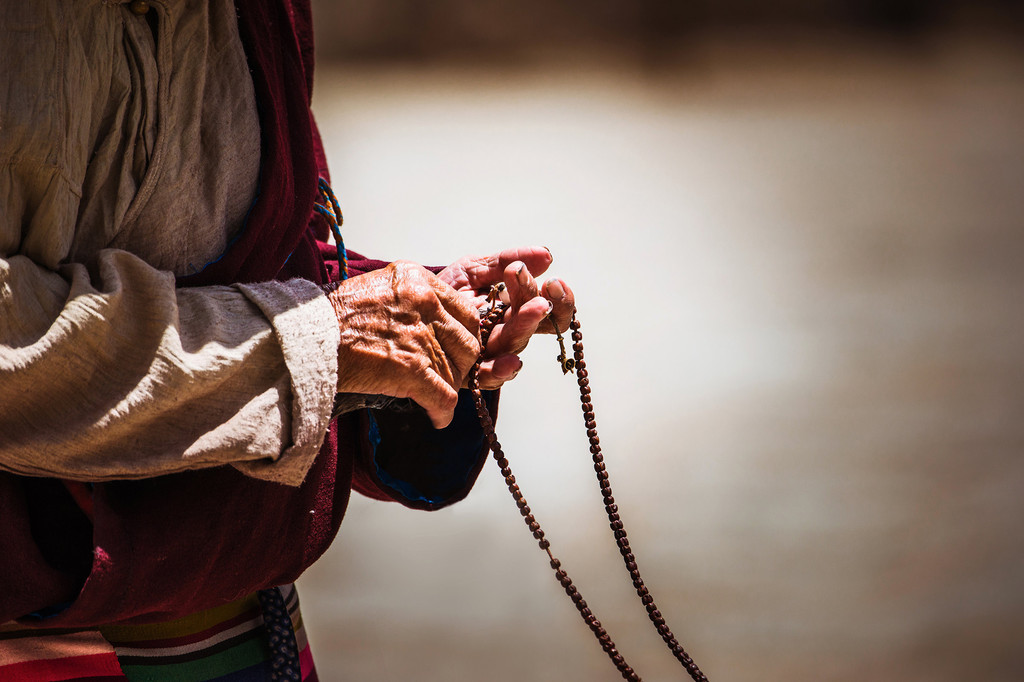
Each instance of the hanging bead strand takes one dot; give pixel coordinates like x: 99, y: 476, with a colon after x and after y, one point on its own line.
x: 490, y: 320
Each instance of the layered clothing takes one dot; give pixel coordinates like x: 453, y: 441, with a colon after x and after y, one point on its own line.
x: 213, y: 469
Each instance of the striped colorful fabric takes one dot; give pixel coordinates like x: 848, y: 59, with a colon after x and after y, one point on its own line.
x: 55, y: 655
x: 224, y: 644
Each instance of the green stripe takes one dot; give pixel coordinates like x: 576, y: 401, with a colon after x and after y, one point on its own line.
x: 234, y: 659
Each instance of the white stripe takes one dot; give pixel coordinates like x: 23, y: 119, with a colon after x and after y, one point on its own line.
x: 239, y: 629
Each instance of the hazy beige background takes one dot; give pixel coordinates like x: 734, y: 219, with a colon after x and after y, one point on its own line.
x: 799, y: 264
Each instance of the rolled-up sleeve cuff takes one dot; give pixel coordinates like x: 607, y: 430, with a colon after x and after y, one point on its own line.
x: 307, y: 330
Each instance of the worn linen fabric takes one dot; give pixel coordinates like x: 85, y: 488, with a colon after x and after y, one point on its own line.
x: 129, y: 154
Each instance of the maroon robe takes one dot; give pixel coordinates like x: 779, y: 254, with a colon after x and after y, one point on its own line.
x: 156, y: 549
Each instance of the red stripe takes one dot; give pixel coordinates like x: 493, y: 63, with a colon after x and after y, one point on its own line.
x: 189, y: 639
x: 306, y: 663
x: 57, y: 669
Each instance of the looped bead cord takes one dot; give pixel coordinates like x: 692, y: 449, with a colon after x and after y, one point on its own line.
x: 579, y: 365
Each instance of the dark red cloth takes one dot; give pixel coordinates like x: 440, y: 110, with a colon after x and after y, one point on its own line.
x: 168, y: 546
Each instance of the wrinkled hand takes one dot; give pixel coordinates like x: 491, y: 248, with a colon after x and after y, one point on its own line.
x: 407, y: 334
x: 532, y: 308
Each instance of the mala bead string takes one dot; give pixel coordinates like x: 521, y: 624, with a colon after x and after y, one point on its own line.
x: 615, y: 522
x: 577, y: 363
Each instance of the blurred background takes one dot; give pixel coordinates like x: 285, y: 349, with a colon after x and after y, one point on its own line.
x: 796, y: 235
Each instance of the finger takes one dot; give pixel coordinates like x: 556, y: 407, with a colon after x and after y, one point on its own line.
x: 494, y: 373
x: 514, y: 334
x: 461, y: 308
x: 459, y: 347
x: 563, y: 303
x: 488, y: 270
x: 520, y: 284
x: 437, y: 398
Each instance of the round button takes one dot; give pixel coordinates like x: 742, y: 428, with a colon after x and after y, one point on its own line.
x: 139, y: 7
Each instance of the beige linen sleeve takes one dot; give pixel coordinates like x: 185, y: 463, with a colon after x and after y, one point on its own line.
x: 111, y: 372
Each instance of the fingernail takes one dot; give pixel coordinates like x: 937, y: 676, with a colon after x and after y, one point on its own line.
x: 555, y: 289
x: 522, y: 274
x: 551, y: 307
x: 510, y: 372
x: 549, y: 253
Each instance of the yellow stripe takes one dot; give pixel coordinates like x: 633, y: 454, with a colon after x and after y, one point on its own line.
x: 191, y: 624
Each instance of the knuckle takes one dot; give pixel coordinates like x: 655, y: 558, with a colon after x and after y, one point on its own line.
x: 421, y: 296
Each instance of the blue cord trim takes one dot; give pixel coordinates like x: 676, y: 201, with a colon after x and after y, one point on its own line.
x: 50, y: 611
x: 331, y: 211
x: 404, y: 488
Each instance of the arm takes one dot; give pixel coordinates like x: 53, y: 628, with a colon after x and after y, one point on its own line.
x: 111, y: 372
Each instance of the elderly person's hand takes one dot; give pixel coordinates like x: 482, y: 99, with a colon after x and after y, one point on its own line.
x: 533, y: 308
x: 407, y: 334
